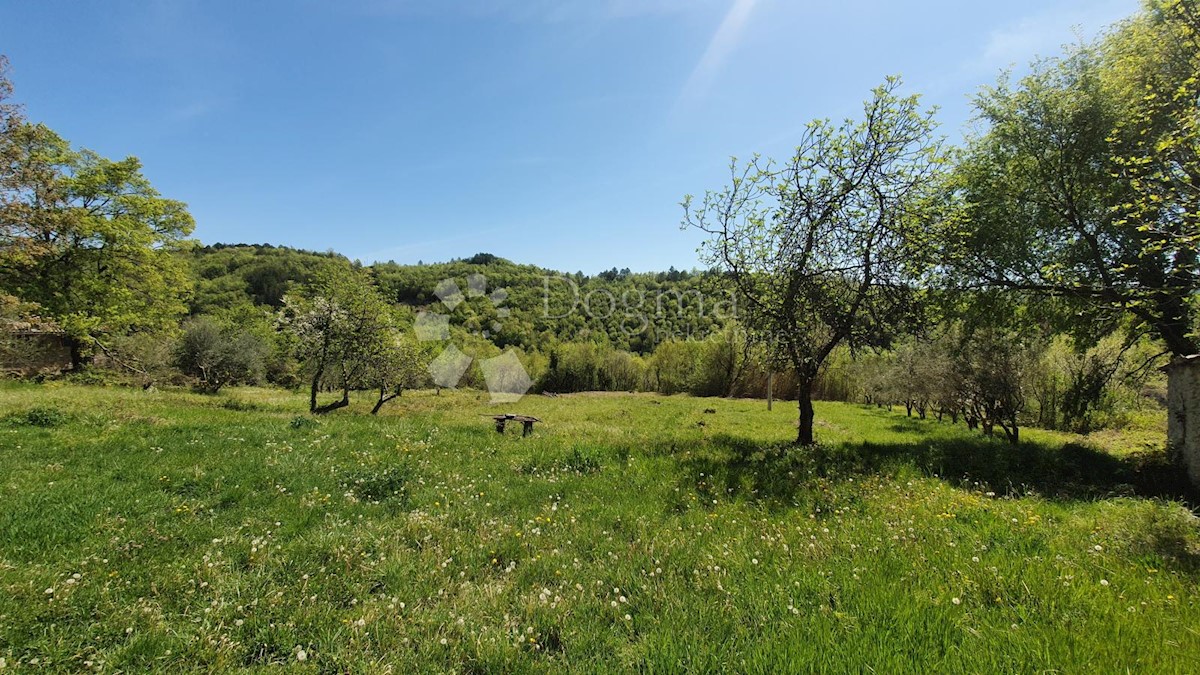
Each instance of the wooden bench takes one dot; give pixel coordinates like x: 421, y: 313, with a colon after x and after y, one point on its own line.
x: 525, y: 420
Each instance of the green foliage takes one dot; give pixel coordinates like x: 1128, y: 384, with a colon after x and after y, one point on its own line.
x: 304, y: 422
x: 88, y: 240
x: 344, y: 334
x: 826, y: 249
x: 229, y: 277
x: 219, y: 355
x: 41, y: 416
x: 1082, y: 185
x: 378, y: 483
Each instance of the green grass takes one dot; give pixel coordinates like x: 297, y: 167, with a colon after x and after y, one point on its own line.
x: 167, y: 530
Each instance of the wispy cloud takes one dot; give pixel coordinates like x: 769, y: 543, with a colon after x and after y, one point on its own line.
x: 724, y: 41
x: 1044, y: 33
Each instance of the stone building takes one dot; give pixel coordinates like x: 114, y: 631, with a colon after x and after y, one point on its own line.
x: 1183, y: 412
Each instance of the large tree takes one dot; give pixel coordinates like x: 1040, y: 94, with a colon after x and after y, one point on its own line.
x: 1085, y: 181
x: 825, y: 246
x: 86, y: 239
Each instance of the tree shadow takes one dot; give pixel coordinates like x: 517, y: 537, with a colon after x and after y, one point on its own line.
x: 784, y: 475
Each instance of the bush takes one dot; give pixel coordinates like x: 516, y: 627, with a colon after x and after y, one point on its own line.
x: 218, y: 355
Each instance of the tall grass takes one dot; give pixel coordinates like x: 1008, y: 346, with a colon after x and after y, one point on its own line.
x: 167, y: 530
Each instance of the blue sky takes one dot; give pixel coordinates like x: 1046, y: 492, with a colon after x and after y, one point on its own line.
x: 556, y: 132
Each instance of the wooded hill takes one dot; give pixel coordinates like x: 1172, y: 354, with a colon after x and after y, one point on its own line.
x: 535, y: 307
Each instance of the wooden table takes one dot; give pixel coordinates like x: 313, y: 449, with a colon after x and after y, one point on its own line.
x: 525, y: 420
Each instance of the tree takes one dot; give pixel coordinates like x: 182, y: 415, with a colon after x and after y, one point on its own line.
x: 86, y: 239
x: 340, y: 324
x: 393, y: 367
x: 1084, y: 184
x: 824, y: 248
x: 219, y: 355
x: 992, y: 364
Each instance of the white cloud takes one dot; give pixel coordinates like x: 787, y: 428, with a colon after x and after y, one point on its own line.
x: 1044, y: 33
x: 724, y: 41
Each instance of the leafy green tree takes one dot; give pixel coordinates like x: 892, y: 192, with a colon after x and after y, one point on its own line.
x: 340, y: 324
x: 823, y: 248
x: 1083, y: 184
x: 87, y: 239
x: 395, y: 365
x: 218, y: 355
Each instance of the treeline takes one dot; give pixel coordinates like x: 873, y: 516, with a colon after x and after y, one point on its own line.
x: 1035, y: 275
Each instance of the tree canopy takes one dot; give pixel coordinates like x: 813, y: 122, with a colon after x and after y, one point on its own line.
x: 824, y: 248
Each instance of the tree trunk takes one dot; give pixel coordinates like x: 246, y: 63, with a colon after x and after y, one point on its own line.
x: 1012, y: 432
x: 328, y: 407
x: 384, y: 397
x: 79, y: 357
x: 804, y: 431
x: 316, y: 385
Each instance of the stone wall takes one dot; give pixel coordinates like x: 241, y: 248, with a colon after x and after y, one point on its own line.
x: 1183, y: 412
x: 29, y: 353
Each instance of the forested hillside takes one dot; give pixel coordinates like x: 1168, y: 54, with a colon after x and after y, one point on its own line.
x: 535, y: 306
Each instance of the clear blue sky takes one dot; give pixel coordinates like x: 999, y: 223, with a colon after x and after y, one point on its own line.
x: 556, y: 132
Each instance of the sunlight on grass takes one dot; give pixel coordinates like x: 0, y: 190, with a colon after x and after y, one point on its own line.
x: 166, y: 529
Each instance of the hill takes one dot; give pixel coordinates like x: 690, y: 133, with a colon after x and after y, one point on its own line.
x: 534, y: 309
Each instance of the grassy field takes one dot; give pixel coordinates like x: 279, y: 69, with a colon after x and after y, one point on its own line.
x: 167, y: 530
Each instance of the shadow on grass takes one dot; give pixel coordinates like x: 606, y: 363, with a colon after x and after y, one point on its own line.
x: 785, y: 474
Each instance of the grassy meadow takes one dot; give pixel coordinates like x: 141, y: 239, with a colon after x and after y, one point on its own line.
x: 167, y: 530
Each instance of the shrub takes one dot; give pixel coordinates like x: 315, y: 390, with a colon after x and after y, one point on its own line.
x: 220, y: 355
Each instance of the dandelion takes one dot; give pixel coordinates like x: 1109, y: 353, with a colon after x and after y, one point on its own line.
x: 628, y: 618
x: 301, y: 655
x: 1104, y: 582
x: 443, y: 641
x: 957, y: 601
